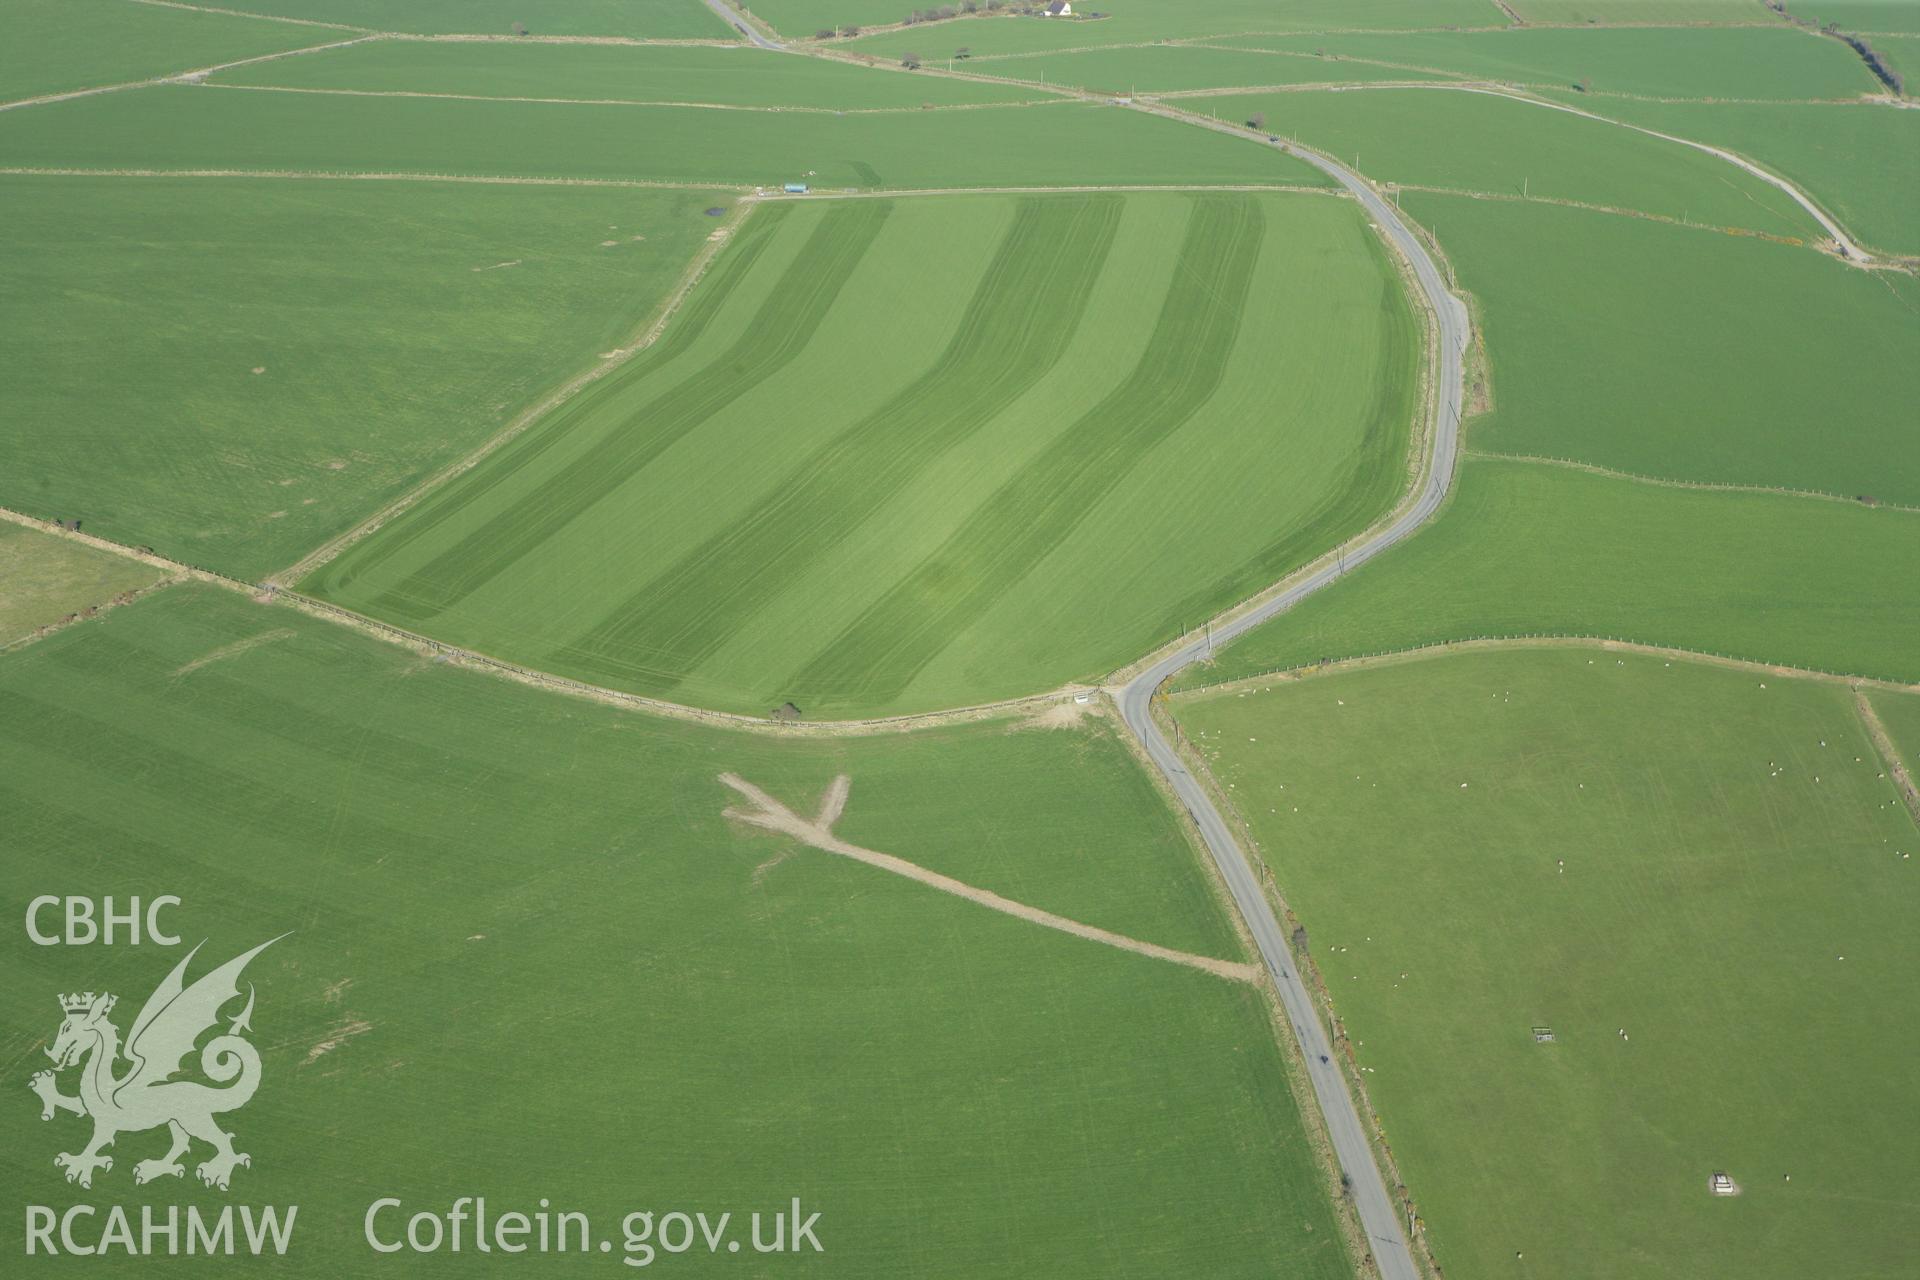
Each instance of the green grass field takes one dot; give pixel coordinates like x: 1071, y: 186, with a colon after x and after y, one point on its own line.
x: 1901, y: 715
x: 1862, y: 163
x: 1174, y: 67
x: 1725, y: 62
x: 233, y: 370
x: 647, y: 19
x: 974, y: 447
x: 1657, y: 350
x: 1865, y: 15
x: 528, y: 948
x: 54, y: 46
x: 1480, y: 142
x: 739, y: 75
x: 1644, y: 11
x: 1527, y: 549
x: 1051, y: 145
x: 44, y: 578
x: 1589, y: 842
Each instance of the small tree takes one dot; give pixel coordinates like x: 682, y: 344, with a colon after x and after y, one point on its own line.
x: 519, y: 28
x: 1258, y: 120
x: 911, y: 61
x: 1583, y: 84
x: 962, y: 53
x: 825, y: 33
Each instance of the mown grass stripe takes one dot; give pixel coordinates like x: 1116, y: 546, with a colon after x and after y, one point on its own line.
x: 335, y: 579
x: 1024, y: 312
x: 898, y: 635
x: 778, y: 332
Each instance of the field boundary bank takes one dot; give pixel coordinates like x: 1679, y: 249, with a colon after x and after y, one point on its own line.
x: 268, y: 592
x: 192, y: 75
x: 1543, y: 640
x: 1703, y: 486
x: 1889, y: 754
x: 916, y: 109
x: 263, y: 17
x: 325, y: 175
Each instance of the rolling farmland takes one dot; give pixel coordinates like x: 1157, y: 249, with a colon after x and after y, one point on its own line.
x: 1862, y: 162
x: 1529, y: 549
x: 1229, y: 638
x: 717, y: 74
x: 639, y: 19
x: 1707, y: 861
x: 58, y: 46
x: 450, y: 848
x: 1690, y: 62
x: 1457, y: 140
x: 176, y: 127
x: 153, y: 325
x: 974, y: 480
x: 1657, y: 350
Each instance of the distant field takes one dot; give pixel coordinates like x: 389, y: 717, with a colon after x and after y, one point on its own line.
x: 739, y: 75
x: 1726, y: 62
x: 1482, y: 142
x: 654, y: 19
x: 233, y: 370
x: 1862, y: 163
x: 1135, y: 22
x: 57, y: 45
x: 1657, y: 350
x: 1863, y: 15
x: 1529, y: 549
x: 1655, y: 11
x: 1172, y: 67
x: 1062, y: 144
x: 525, y: 938
x: 1487, y: 843
x: 44, y: 578
x: 922, y: 453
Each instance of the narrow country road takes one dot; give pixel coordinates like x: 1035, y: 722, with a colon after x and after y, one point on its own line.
x: 735, y: 19
x: 1379, y: 1216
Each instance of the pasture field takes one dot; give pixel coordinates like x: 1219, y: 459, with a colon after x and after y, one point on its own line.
x: 902, y: 455
x: 1461, y: 140
x: 736, y: 75
x: 1529, y: 549
x: 1137, y: 22
x: 233, y: 370
x: 1173, y: 67
x: 1861, y: 162
x: 1723, y: 62
x: 54, y: 46
x: 1483, y: 844
x: 1657, y: 350
x: 1057, y: 144
x: 1900, y: 713
x: 44, y: 578
x: 1598, y: 12
x: 527, y: 944
x: 1872, y: 16
x: 642, y: 19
